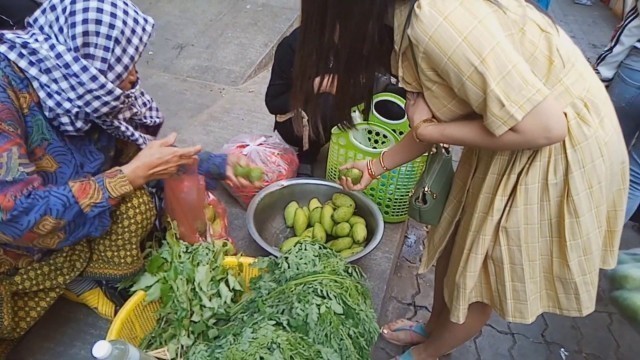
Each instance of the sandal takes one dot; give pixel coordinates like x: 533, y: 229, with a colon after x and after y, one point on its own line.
x: 416, y: 328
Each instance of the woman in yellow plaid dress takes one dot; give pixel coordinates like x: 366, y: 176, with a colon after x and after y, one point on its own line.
x: 537, y: 204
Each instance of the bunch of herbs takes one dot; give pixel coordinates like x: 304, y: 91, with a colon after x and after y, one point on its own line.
x: 196, y: 293
x: 309, y: 295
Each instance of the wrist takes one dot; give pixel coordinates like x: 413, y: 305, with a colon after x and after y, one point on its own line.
x: 383, y: 168
x: 424, y: 131
x: 370, y: 169
x: 377, y: 168
x: 136, y: 180
x: 115, y: 183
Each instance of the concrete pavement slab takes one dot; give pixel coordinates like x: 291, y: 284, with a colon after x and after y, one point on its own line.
x: 223, y: 42
x: 67, y: 331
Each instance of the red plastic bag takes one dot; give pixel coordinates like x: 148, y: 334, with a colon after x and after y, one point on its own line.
x: 199, y: 215
x: 218, y: 224
x: 184, y: 200
x: 277, y: 159
x: 217, y: 218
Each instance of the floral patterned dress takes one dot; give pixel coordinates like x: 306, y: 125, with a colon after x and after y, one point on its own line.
x: 66, y: 209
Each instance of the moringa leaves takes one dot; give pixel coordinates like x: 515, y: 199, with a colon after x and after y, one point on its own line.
x: 307, y: 304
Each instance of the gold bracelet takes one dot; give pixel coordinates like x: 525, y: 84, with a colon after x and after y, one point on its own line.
x: 381, y: 158
x: 430, y: 121
x: 372, y: 173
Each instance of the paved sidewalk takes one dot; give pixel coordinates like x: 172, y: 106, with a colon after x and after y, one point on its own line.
x: 603, y: 335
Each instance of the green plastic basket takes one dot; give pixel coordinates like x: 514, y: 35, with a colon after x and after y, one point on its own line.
x: 366, y: 141
x: 399, y: 123
x: 395, y: 120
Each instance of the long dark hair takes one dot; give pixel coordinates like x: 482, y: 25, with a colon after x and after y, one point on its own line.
x: 345, y: 38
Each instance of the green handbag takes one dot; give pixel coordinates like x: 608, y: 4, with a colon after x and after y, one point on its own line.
x: 429, y: 197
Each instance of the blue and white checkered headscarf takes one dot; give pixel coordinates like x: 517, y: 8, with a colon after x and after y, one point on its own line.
x: 75, y: 53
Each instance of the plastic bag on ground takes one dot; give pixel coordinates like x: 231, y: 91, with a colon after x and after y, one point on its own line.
x: 277, y: 160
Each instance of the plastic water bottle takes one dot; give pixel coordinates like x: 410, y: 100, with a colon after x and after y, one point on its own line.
x: 118, y: 350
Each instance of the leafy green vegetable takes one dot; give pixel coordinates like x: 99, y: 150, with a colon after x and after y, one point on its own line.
x: 308, y: 304
x: 195, y: 290
x: 626, y: 276
x: 628, y: 302
x: 313, y: 304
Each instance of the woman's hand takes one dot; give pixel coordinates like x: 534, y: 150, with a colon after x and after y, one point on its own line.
x: 159, y: 160
x: 364, y: 182
x: 236, y: 181
x: 326, y: 84
x: 417, y: 108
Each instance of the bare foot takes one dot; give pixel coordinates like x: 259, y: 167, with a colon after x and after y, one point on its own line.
x: 405, y: 333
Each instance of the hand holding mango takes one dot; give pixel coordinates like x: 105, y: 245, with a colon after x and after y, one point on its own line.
x: 253, y: 174
x: 240, y: 172
x: 354, y: 174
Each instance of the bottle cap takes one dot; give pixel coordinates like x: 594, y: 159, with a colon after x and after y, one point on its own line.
x: 102, y: 349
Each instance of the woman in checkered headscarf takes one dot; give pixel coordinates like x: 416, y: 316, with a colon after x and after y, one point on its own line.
x: 76, y: 150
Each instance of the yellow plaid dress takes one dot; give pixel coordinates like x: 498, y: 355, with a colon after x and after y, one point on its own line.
x: 531, y: 228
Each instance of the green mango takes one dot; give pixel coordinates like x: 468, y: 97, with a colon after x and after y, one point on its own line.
x: 241, y: 171
x: 355, y: 219
x: 314, y: 203
x: 307, y: 234
x: 359, y: 233
x: 289, y: 244
x: 210, y: 214
x: 355, y: 175
x: 342, y: 200
x: 319, y: 234
x: 341, y: 230
x: 326, y: 219
x: 300, y: 222
x: 343, y: 214
x: 306, y: 211
x: 290, y: 212
x: 340, y: 244
x: 350, y: 252
x: 256, y: 174
x: 314, y: 217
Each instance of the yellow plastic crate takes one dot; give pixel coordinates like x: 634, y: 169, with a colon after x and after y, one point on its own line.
x: 136, y: 319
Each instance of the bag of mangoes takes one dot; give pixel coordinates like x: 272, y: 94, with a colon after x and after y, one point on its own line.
x: 271, y: 161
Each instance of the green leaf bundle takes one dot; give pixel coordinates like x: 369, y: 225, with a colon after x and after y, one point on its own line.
x: 317, y: 304
x: 195, y: 291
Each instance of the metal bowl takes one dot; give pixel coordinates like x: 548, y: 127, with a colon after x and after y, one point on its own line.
x: 265, y: 215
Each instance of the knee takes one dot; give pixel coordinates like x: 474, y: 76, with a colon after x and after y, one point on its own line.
x: 138, y: 211
x: 481, y: 309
